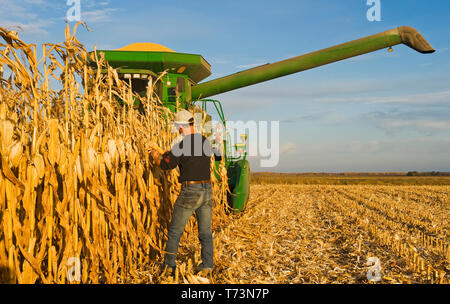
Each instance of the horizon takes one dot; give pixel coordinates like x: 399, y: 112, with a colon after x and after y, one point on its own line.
x: 354, y: 172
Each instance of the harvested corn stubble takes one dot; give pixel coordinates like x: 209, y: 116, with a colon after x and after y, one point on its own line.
x: 319, y: 234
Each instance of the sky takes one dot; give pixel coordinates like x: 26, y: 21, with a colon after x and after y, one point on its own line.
x: 380, y: 112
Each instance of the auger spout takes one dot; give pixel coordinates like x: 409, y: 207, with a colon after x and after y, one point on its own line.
x: 401, y: 35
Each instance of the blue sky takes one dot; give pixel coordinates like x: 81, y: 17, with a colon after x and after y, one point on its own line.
x: 377, y: 112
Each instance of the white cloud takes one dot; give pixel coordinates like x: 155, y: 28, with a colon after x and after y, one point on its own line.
x: 37, y: 2
x: 89, y: 3
x: 422, y: 145
x: 38, y: 27
x: 26, y: 15
x: 329, y: 117
x: 421, y: 154
x: 429, y: 125
x: 288, y: 148
x: 433, y: 98
x: 219, y: 61
x: 428, y: 121
x: 10, y: 9
x: 97, y: 16
x: 415, y: 91
x: 249, y: 66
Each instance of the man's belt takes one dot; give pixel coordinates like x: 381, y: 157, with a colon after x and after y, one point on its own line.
x: 185, y: 183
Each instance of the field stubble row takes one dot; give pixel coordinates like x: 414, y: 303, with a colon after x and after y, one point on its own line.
x: 326, y: 234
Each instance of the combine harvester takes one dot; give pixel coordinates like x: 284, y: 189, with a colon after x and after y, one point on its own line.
x: 181, y: 87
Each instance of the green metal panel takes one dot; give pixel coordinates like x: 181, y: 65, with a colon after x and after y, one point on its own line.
x: 405, y: 35
x: 196, y: 67
x: 239, y: 183
x: 174, y: 91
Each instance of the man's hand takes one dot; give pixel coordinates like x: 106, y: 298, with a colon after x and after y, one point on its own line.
x: 156, y: 156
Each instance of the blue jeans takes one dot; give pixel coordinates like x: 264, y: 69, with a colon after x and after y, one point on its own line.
x: 196, y: 198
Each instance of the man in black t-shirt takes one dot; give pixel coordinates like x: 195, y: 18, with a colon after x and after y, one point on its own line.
x: 193, y: 156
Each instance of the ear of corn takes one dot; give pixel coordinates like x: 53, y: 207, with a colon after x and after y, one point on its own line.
x: 76, y: 178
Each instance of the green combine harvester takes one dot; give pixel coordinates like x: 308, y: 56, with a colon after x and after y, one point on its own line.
x: 181, y: 87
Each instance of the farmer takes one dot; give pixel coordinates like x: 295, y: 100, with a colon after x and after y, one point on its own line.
x: 193, y: 156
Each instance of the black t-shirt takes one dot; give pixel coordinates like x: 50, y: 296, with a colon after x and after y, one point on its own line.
x: 193, y: 156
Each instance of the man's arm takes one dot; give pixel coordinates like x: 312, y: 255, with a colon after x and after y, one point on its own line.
x: 167, y: 161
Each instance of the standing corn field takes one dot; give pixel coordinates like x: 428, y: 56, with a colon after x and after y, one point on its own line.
x: 76, y: 181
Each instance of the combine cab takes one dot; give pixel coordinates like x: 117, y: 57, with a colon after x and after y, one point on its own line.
x: 181, y: 87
